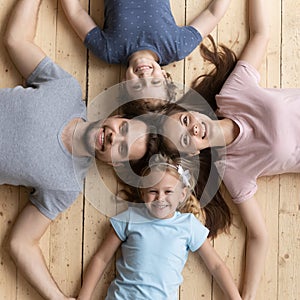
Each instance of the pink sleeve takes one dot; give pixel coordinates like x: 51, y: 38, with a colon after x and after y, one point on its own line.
x: 241, y: 78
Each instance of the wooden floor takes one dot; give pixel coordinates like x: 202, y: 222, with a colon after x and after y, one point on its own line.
x: 75, y: 235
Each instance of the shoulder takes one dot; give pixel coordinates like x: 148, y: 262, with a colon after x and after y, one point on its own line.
x: 243, y: 72
x: 52, y: 202
x: 198, y: 233
x: 48, y: 71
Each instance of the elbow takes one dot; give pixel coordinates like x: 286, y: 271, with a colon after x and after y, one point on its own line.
x: 263, y: 37
x: 17, y: 246
x: 261, y: 237
x: 9, y: 41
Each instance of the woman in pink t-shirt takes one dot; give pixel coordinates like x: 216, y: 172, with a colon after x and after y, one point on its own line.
x: 260, y: 128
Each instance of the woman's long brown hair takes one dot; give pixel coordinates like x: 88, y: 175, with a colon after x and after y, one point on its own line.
x: 224, y: 60
x: 216, y: 212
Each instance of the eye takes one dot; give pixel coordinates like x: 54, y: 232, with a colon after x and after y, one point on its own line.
x: 169, y: 192
x: 124, y: 128
x: 153, y: 192
x: 123, y: 150
x: 185, y: 120
x: 185, y: 140
x: 156, y: 81
x: 137, y: 86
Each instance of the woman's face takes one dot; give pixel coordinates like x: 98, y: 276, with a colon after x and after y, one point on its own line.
x: 189, y: 131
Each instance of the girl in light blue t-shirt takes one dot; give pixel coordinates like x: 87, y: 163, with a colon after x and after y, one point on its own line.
x: 155, y: 239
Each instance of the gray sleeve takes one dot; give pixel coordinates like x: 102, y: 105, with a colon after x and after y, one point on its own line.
x: 46, y: 71
x: 51, y: 202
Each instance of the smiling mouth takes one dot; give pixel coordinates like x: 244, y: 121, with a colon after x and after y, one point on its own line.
x: 101, y: 140
x: 159, y: 206
x: 203, y: 129
x: 142, y: 68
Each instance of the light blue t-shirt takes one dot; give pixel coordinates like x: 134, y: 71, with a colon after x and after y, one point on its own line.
x: 133, y: 25
x: 154, y: 252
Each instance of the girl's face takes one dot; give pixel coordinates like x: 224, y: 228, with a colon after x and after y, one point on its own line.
x: 188, y: 131
x: 145, y: 79
x: 163, y: 194
x: 144, y: 67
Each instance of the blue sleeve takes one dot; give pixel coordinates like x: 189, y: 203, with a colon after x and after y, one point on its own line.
x: 119, y: 224
x: 189, y: 40
x: 199, y: 234
x: 96, y: 43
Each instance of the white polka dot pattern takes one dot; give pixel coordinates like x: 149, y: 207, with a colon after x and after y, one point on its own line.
x: 138, y: 25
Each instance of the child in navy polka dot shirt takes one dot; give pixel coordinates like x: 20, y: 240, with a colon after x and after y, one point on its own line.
x: 142, y: 34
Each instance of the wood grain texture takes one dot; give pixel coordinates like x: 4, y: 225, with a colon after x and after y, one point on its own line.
x: 73, y: 238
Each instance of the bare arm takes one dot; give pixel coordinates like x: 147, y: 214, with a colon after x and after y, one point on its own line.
x: 98, y: 264
x: 255, y: 48
x: 25, y: 236
x: 80, y: 20
x: 218, y: 269
x: 257, y: 246
x: 19, y: 37
x: 210, y: 17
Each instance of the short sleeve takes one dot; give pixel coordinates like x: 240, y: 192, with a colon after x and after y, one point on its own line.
x: 119, y: 224
x: 242, y: 77
x: 45, y: 72
x: 95, y: 42
x: 199, y: 233
x: 240, y: 186
x: 189, y: 39
x: 51, y: 202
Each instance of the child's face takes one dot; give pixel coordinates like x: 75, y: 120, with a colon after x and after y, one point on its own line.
x: 164, y: 194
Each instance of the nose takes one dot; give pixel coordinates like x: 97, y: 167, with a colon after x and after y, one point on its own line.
x: 116, y: 138
x: 160, y: 196
x: 195, y: 129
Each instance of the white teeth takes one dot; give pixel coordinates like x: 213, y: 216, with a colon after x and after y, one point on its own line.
x: 102, y: 140
x: 160, y: 206
x: 203, y: 130
x: 142, y: 68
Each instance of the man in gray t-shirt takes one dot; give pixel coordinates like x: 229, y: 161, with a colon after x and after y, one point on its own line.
x: 47, y: 144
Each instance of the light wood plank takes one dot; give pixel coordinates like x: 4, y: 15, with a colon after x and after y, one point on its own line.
x: 278, y: 196
x: 289, y: 233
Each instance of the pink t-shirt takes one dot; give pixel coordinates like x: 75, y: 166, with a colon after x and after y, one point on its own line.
x: 269, y: 138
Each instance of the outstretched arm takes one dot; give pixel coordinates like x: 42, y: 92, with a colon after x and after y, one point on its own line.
x: 19, y: 37
x: 98, y: 264
x: 210, y: 17
x: 80, y: 20
x: 257, y: 246
x: 218, y: 269
x: 255, y: 48
x: 24, y: 247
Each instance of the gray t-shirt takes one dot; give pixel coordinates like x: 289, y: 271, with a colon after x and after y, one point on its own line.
x: 31, y: 151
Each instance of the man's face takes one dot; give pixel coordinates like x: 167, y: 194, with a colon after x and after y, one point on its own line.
x: 118, y: 139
